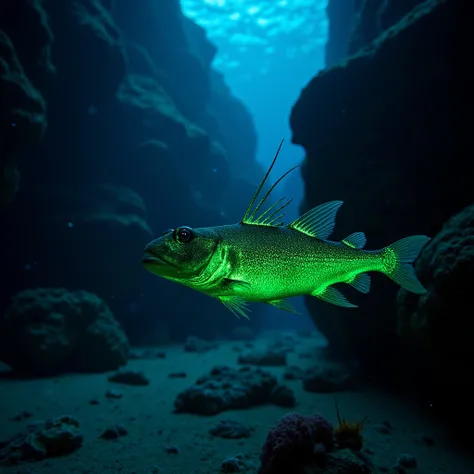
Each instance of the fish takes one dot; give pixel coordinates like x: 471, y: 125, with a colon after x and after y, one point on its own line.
x: 262, y: 259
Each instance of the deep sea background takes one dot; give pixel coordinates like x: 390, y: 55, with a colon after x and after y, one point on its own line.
x: 119, y: 120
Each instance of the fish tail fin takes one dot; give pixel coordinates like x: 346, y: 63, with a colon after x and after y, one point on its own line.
x: 398, y: 259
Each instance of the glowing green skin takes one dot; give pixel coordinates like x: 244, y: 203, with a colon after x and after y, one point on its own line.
x: 261, y: 260
x: 276, y: 262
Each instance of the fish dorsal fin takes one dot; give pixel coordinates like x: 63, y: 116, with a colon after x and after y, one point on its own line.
x: 319, y: 222
x: 273, y: 215
x: 357, y: 240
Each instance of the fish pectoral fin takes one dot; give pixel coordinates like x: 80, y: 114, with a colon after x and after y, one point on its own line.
x: 357, y: 240
x: 361, y: 282
x: 319, y: 222
x: 285, y: 305
x: 333, y: 296
x: 235, y: 285
x: 237, y: 305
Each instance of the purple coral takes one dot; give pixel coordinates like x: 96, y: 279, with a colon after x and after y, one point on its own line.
x: 293, y: 442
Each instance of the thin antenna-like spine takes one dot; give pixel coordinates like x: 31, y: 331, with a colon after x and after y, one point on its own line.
x: 275, y: 220
x: 262, y: 221
x: 254, y: 198
x: 263, y: 214
x: 262, y: 201
x: 272, y: 217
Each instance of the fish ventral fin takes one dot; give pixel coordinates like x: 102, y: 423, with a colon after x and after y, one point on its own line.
x: 285, y: 305
x: 319, y: 222
x: 333, y: 296
x: 357, y: 240
x: 273, y: 216
x: 361, y: 282
x: 236, y: 305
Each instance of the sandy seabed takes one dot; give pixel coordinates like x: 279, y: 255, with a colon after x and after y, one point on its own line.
x: 147, y: 413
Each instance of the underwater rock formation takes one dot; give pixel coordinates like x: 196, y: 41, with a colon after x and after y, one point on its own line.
x: 374, y: 17
x: 231, y: 429
x: 435, y: 328
x: 93, y: 240
x: 305, y: 445
x: 129, y: 377
x: 131, y: 101
x: 386, y: 132
x: 344, y: 461
x: 47, y: 331
x: 327, y: 378
x: 53, y: 437
x: 294, y: 442
x: 224, y: 389
x: 22, y: 106
x: 22, y: 120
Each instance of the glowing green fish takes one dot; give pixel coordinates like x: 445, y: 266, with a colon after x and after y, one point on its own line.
x: 262, y: 260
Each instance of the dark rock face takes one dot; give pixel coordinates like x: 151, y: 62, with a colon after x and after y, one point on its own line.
x: 386, y: 132
x: 23, y: 107
x: 141, y: 136
x: 374, y: 17
x: 48, y: 331
x: 436, y: 328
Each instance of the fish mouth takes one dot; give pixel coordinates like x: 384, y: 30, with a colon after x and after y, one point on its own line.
x: 149, y: 259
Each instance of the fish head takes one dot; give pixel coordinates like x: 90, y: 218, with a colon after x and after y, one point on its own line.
x: 181, y: 253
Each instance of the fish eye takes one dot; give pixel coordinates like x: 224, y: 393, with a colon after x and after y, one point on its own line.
x: 168, y: 231
x: 184, y: 235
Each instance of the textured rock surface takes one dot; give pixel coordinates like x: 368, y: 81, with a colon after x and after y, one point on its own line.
x: 231, y: 429
x: 386, y: 132
x: 375, y: 16
x: 142, y: 135
x: 436, y: 328
x: 53, y: 437
x: 47, y: 331
x: 22, y: 117
x: 224, y: 389
x: 23, y: 65
x: 344, y: 461
x: 295, y: 441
